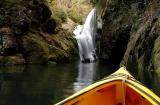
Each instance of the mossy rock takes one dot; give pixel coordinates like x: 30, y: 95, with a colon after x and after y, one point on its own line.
x: 51, y: 63
x: 35, y: 50
x: 12, y: 60
x: 156, y: 53
x: 61, y: 14
x: 41, y: 47
x: 58, y: 20
x: 75, y: 17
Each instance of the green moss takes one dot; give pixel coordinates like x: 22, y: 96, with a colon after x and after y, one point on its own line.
x: 58, y: 20
x: 158, y: 72
x: 7, y: 60
x: 54, y: 52
x: 140, y: 68
x: 51, y: 63
x: 12, y: 60
x: 156, y: 53
x: 41, y: 44
x: 65, y: 46
x: 75, y: 17
x: 61, y: 14
x: 141, y: 64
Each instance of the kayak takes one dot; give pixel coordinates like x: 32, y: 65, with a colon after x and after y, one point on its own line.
x: 119, y: 88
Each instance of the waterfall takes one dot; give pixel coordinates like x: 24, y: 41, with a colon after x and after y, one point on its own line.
x: 86, y: 38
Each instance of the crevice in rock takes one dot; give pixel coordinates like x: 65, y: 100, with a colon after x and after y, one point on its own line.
x: 120, y: 46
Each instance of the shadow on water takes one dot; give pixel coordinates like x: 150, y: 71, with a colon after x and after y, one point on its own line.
x: 46, y: 85
x: 34, y: 85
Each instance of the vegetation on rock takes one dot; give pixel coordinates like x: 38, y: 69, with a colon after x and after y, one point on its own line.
x: 76, y: 10
x: 34, y: 29
x: 131, y: 31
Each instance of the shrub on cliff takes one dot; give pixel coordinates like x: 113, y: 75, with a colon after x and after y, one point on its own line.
x: 61, y: 14
x: 75, y: 17
x: 74, y: 9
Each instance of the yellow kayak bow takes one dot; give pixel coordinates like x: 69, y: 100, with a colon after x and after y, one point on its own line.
x: 119, y: 88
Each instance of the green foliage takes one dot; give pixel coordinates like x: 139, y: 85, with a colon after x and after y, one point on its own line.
x: 158, y: 71
x: 60, y: 14
x: 12, y: 60
x: 94, y: 1
x: 58, y: 20
x: 75, y: 17
x: 51, y: 63
x: 43, y: 45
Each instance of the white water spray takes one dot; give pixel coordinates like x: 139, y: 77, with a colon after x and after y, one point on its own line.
x: 86, y: 38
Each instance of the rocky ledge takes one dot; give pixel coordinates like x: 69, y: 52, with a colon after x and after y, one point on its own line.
x: 130, y: 34
x: 30, y: 35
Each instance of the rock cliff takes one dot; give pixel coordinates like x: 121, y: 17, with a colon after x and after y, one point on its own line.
x: 130, y: 34
x: 30, y: 34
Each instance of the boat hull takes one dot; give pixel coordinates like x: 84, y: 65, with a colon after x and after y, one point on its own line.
x: 120, y: 88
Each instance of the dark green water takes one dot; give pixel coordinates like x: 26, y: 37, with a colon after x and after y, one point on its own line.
x: 46, y: 85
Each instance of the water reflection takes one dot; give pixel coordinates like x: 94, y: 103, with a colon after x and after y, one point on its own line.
x: 86, y: 75
x: 46, y: 85
x: 34, y: 85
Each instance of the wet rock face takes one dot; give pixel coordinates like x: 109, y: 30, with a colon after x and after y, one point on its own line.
x: 27, y: 34
x: 114, y: 45
x: 24, y: 15
x: 143, y: 52
x: 32, y: 52
x: 117, y: 24
x: 130, y: 34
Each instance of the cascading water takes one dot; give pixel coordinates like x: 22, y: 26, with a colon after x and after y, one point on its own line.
x: 86, y: 38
